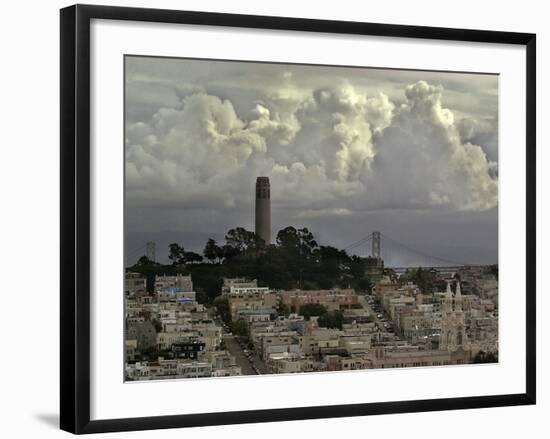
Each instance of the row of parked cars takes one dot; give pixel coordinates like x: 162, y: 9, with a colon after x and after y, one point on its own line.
x: 377, y: 308
x: 249, y: 355
x: 225, y: 328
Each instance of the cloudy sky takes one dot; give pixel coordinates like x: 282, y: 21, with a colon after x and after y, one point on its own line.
x: 413, y: 154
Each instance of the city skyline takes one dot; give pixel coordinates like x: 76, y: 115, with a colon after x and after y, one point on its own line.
x: 254, y: 193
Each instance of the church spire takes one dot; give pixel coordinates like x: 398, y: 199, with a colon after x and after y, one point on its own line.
x: 448, y: 300
x: 458, y: 297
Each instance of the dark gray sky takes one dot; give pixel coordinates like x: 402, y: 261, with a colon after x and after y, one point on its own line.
x: 412, y: 154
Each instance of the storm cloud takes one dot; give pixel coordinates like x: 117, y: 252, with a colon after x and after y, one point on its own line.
x: 339, y: 144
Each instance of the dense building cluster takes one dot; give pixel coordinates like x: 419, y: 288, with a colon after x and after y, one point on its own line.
x: 169, y: 334
x: 252, y: 329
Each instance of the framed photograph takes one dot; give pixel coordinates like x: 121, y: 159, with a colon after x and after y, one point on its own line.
x: 268, y: 219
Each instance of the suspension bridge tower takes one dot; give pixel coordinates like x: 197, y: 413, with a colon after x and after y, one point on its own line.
x: 374, y: 265
x: 376, y: 245
x: 151, y: 251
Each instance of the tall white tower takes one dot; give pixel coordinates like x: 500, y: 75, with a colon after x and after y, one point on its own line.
x: 263, y: 209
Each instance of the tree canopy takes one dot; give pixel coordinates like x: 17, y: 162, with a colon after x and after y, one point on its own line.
x: 485, y: 357
x: 312, y: 309
x: 296, y: 260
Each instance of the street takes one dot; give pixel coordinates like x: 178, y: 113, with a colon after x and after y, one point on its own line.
x: 232, y: 345
x: 367, y: 306
x: 250, y: 366
x: 259, y: 365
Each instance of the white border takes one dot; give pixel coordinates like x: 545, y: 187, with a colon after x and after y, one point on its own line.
x: 111, y: 398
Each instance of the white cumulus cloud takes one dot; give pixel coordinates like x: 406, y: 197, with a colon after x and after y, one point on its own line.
x: 422, y: 159
x: 329, y: 149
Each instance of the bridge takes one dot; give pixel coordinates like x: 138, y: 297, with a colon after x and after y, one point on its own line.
x: 397, y: 255
x: 403, y: 256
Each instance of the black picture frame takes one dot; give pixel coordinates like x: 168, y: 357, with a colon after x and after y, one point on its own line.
x: 75, y: 217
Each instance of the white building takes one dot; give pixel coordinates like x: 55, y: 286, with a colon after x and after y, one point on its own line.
x: 179, y: 281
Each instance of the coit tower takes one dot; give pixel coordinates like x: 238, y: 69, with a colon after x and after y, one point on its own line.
x: 263, y: 209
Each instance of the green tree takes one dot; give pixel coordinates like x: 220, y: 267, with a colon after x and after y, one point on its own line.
x: 222, y: 306
x: 485, y: 357
x: 356, y: 267
x: 297, y: 241
x: 273, y: 269
x: 242, y: 240
x: 207, y: 278
x: 312, y: 309
x: 307, y: 242
x: 391, y: 273
x: 283, y: 309
x: 157, y: 324
x: 175, y: 253
x: 332, y: 319
x: 190, y: 258
x: 229, y: 252
x: 144, y: 260
x: 212, y: 251
x: 364, y: 284
x: 324, y: 281
x: 424, y: 279
x: 332, y: 261
x: 240, y: 328
x: 202, y: 297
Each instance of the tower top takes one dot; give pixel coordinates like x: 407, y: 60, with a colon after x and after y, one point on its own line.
x: 262, y: 180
